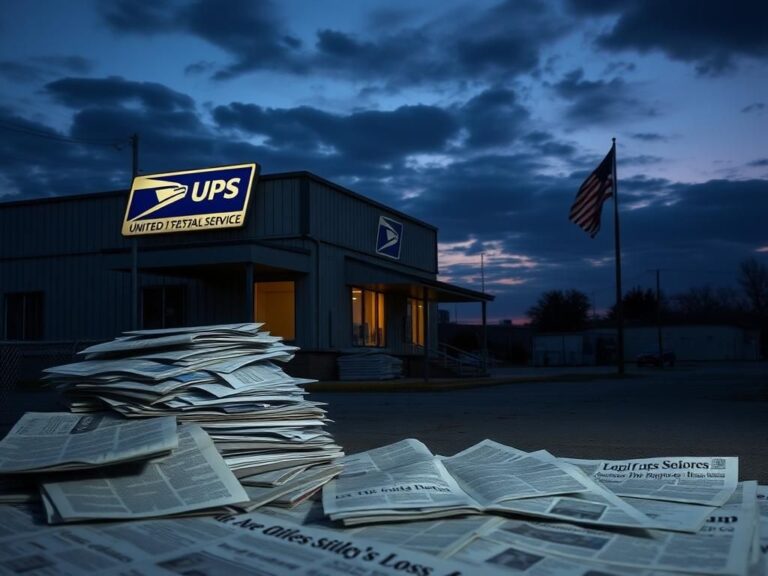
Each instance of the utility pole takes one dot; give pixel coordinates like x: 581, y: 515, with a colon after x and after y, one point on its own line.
x: 134, y: 241
x: 482, y: 272
x: 658, y: 318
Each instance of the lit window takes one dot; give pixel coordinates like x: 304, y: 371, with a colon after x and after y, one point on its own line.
x: 275, y: 305
x: 368, y: 318
x: 414, y: 319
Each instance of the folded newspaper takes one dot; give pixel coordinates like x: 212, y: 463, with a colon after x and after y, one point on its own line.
x: 224, y: 379
x: 194, y: 477
x: 56, y: 441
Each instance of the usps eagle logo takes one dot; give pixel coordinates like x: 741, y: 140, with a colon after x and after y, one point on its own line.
x: 389, y: 238
x: 202, y: 199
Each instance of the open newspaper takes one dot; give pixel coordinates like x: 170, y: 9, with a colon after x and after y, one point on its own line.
x: 722, y: 546
x: 193, y: 477
x: 51, y: 441
x: 405, y: 481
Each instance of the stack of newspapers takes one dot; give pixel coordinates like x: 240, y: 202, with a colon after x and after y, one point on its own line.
x: 223, y: 382
x: 369, y: 365
x: 533, y: 513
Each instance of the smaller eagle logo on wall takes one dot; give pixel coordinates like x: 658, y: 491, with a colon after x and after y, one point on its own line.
x: 389, y: 238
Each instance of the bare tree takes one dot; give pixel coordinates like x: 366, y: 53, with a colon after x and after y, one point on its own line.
x: 753, y: 278
x: 559, y: 311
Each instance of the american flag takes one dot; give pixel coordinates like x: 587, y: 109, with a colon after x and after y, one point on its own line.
x: 598, y: 186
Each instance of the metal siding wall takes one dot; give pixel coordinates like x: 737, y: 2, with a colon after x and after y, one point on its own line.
x: 350, y: 222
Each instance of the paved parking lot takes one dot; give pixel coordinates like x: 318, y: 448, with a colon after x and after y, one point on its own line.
x: 709, y: 409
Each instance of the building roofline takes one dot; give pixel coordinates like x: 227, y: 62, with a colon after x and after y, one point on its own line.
x: 274, y: 176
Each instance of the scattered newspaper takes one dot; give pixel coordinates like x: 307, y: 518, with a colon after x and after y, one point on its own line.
x: 761, y: 562
x: 267, y: 546
x: 722, y: 546
x: 194, y: 477
x: 696, y: 479
x: 241, y: 544
x: 50, y: 441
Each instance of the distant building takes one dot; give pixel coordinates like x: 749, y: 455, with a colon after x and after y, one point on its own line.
x: 688, y: 342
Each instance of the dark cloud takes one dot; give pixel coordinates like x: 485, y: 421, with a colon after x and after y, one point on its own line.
x: 251, y: 32
x: 704, y: 32
x: 755, y: 108
x: 37, y: 69
x: 493, y: 118
x: 759, y: 163
x: 599, y: 101
x: 141, y: 17
x: 370, y: 136
x: 201, y: 67
x: 548, y: 145
x: 620, y: 68
x: 649, y: 137
x: 113, y: 91
x: 497, y: 43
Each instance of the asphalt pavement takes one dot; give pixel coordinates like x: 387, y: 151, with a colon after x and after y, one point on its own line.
x: 706, y: 409
x: 703, y: 409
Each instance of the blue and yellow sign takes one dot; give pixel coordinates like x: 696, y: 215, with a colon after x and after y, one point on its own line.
x: 204, y: 199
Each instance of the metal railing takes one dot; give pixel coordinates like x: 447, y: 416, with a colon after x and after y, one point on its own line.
x: 458, y: 361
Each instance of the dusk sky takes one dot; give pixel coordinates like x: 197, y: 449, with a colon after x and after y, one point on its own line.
x: 480, y: 117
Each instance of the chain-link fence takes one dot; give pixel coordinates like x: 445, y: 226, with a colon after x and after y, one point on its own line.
x: 21, y: 370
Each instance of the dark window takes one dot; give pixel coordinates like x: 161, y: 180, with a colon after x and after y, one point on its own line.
x: 162, y: 307
x: 24, y: 316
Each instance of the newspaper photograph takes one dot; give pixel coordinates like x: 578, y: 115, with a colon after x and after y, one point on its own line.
x: 482, y: 551
x: 194, y: 477
x: 48, y: 441
x: 695, y: 479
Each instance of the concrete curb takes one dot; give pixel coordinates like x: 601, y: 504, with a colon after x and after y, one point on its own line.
x: 448, y: 384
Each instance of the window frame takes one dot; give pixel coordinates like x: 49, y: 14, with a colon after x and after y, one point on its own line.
x: 27, y: 300
x: 163, y: 291
x: 377, y: 335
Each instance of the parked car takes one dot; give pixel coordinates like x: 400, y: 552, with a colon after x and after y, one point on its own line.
x: 667, y: 358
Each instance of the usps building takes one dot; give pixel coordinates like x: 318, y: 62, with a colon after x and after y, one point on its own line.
x: 322, y: 266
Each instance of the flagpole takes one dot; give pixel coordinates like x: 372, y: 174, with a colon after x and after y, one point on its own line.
x: 619, y: 298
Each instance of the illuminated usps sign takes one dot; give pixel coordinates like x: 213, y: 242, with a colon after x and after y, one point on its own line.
x: 389, y: 239
x: 204, y: 199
